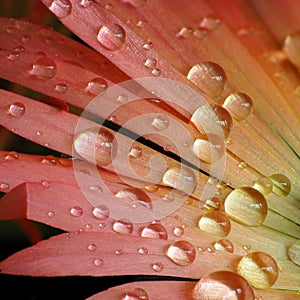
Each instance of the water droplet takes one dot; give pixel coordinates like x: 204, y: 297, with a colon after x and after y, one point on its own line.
x: 136, y: 3
x: 51, y: 214
x: 16, y: 109
x: 209, y: 77
x: 4, y: 186
x: 102, y: 225
x: 19, y: 49
x: 263, y: 185
x: 178, y: 231
x: 200, y: 33
x: 44, y: 68
x: 96, y: 188
x: 96, y: 145
x: 281, y: 185
x: 136, y: 294
x: 180, y: 178
x: 215, y: 222
x: 143, y: 251
x: 148, y: 45
x: 122, y: 98
x: 96, y: 86
x: 92, y: 247
x: 26, y: 39
x: 181, y: 253
x: 22, y: 24
x: 210, y: 23
x: 224, y: 245
x: 119, y: 252
x: 76, y: 211
x: 135, y: 152
x: 151, y: 188
x: 101, y: 212
x: 294, y: 252
x: 123, y: 226
x: 212, y: 204
x: 12, y: 155
x: 61, y: 88
x: 61, y: 8
x: 156, y: 72
x: 157, y: 267
x: 154, y: 231
x: 239, y: 105
x: 259, y: 269
x: 98, y: 262
x: 291, y: 48
x: 247, y: 206
x: 111, y: 36
x: 247, y: 247
x: 209, y: 119
x: 13, y: 56
x: 11, y: 29
x: 160, y: 122
x: 45, y: 183
x: 150, y: 63
x: 86, y: 3
x: 51, y: 160
x: 223, y: 285
x: 185, y: 32
x: 242, y: 165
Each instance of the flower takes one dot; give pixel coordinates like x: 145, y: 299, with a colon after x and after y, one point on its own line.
x: 179, y: 141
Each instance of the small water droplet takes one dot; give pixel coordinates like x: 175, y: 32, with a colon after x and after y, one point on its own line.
x: 242, y: 165
x: 102, y: 225
x: 13, y: 56
x: 123, y: 226
x: 157, y: 267
x: 135, y: 152
x: 215, y: 222
x: 150, y: 63
x: 209, y: 77
x: 22, y: 24
x: 11, y: 29
x: 210, y: 23
x: 111, y: 36
x: 51, y: 160
x: 156, y: 72
x: 160, y: 122
x: 96, y: 188
x: 140, y: 23
x: 26, y: 39
x: 45, y: 183
x: 76, y: 211
x: 212, y: 204
x: 224, y: 245
x: 135, y: 294
x: 259, y: 269
x: 154, y: 231
x: 247, y: 206
x: 151, y: 188
x: 247, y: 247
x: 16, y: 109
x: 239, y: 105
x: 51, y: 214
x: 12, y: 155
x: 147, y: 46
x: 86, y: 3
x: 222, y: 285
x: 98, y: 262
x: 263, y: 185
x: 44, y: 68
x: 185, y: 32
x: 200, y: 33
x: 181, y: 253
x: 61, y: 88
x: 293, y: 252
x: 291, y: 48
x: 143, y: 251
x: 96, y: 86
x: 101, y: 212
x: 122, y: 98
x: 19, y: 49
x: 281, y: 184
x: 178, y: 231
x: 92, y: 247
x: 61, y: 8
x: 4, y: 186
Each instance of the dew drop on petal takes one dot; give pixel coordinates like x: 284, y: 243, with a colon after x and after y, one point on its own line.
x: 281, y: 184
x: 122, y: 98
x: 44, y: 68
x: 213, y: 203
x: 239, y: 105
x: 135, y: 152
x: 101, y: 212
x: 96, y: 86
x: 148, y: 45
x: 154, y: 231
x: 51, y: 214
x: 181, y: 253
x: 293, y: 252
x: 209, y: 77
x: 224, y: 245
x: 111, y: 36
x: 45, y: 183
x: 259, y: 269
x: 291, y: 48
x: 215, y: 222
x: 61, y: 8
x: 156, y: 72
x: 98, y: 262
x: 76, y: 211
x: 263, y: 185
x: 119, y: 252
x: 4, y: 186
x: 134, y: 196
x: 86, y: 3
x: 122, y: 226
x: 26, y: 39
x: 150, y: 63
x: 210, y: 23
x: 157, y: 267
x: 12, y: 155
x: 16, y: 109
x: 222, y: 285
x: 13, y: 55
x: 22, y: 24
x: 136, y: 294
x: 61, y: 88
x: 160, y: 122
x: 178, y: 231
x: 200, y: 33
x: 247, y: 206
x: 143, y: 251
x: 92, y: 247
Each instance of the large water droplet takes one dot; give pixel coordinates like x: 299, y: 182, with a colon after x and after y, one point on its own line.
x: 281, y: 184
x: 294, y: 252
x: 224, y: 245
x: 136, y: 294
x: 16, y: 109
x: 123, y: 226
x: 44, y: 68
x: 96, y: 86
x: 154, y: 231
x: 259, y: 269
x: 134, y: 196
x: 239, y: 105
x: 263, y: 185
x: 96, y: 145
x: 215, y: 222
x: 157, y: 267
x: 76, y: 211
x: 61, y: 8
x: 209, y: 77
x: 181, y: 253
x: 111, y: 36
x: 223, y: 285
x: 247, y: 206
x: 101, y: 212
